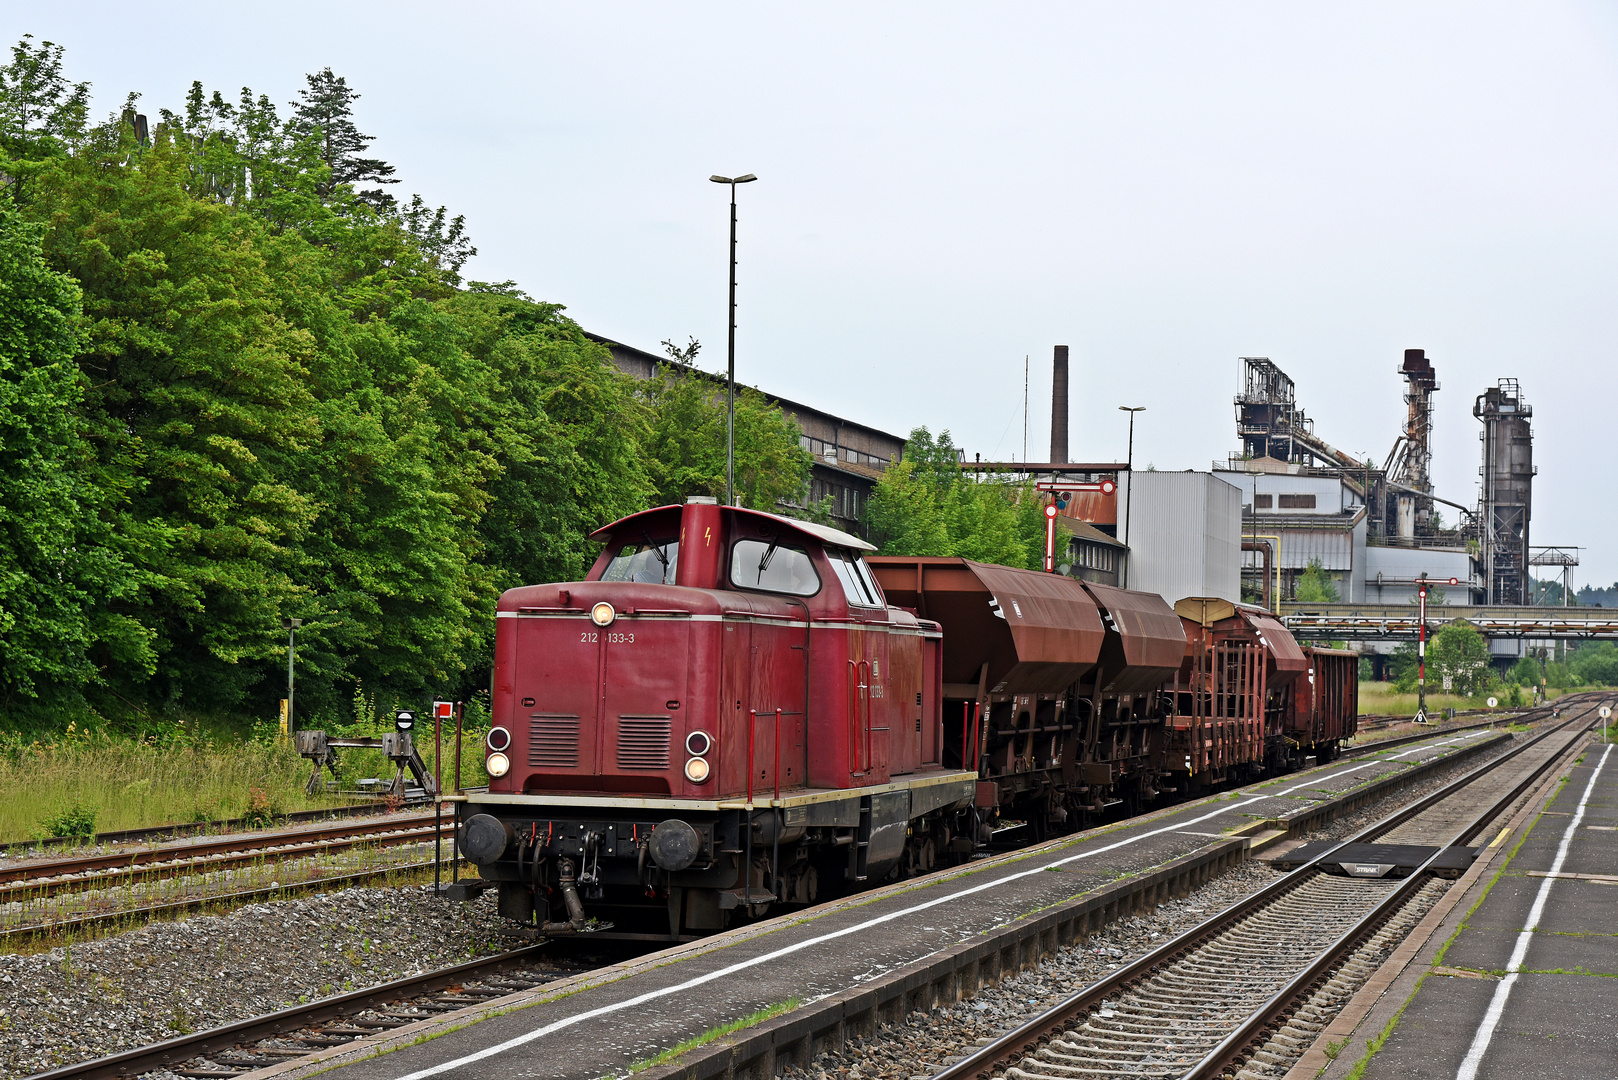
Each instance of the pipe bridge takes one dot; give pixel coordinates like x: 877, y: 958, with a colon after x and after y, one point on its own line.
x: 1378, y: 622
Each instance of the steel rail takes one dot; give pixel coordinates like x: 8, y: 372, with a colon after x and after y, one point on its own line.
x: 197, y: 903
x: 1233, y: 1050
x: 1029, y: 1036
x: 169, y: 869
x: 180, y: 830
x: 174, y: 1051
x: 234, y: 844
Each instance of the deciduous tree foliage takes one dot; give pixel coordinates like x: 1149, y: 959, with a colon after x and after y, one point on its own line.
x: 685, y: 445
x: 1315, y: 586
x: 925, y: 505
x: 58, y: 570
x: 234, y: 391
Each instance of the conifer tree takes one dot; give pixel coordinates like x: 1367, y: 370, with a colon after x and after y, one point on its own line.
x: 326, y: 106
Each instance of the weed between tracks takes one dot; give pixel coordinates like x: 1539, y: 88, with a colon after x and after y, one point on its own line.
x: 718, y: 1032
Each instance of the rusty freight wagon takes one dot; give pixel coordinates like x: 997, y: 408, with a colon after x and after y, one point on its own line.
x: 1050, y: 685
x: 1231, y: 697
x: 1324, y: 709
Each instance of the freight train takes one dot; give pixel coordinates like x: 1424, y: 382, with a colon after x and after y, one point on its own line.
x: 736, y: 711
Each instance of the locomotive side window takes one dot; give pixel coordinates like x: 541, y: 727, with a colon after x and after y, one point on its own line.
x: 860, y: 590
x: 869, y: 579
x: 772, y: 567
x: 650, y: 563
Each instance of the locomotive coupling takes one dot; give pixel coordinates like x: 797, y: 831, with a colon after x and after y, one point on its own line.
x: 566, y: 882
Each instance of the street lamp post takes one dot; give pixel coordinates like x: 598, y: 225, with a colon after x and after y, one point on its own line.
x: 291, y: 627
x: 730, y: 367
x: 1129, y: 500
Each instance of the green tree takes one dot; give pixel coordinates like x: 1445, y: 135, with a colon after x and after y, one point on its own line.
x: 1315, y: 586
x: 1403, y: 665
x: 198, y: 409
x: 1460, y: 653
x: 57, y: 571
x: 42, y: 115
x: 1596, y: 663
x: 685, y: 448
x: 325, y: 111
x: 925, y: 505
x: 575, y: 460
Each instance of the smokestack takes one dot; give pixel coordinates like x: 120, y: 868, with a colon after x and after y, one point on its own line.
x: 1059, y: 405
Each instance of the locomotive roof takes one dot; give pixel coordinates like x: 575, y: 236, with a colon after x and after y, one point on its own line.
x: 824, y: 533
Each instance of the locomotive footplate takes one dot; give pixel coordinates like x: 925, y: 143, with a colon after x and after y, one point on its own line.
x: 1378, y: 860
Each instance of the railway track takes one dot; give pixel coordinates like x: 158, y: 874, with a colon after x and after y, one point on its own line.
x: 53, y: 895
x: 1245, y: 992
x: 179, y: 831
x: 263, y: 1041
x: 251, y: 1044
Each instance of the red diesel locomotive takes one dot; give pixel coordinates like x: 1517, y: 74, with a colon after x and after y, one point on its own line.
x: 736, y: 710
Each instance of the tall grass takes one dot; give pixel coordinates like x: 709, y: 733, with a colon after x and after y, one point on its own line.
x: 129, y: 782
x: 133, y: 782
x: 1381, y: 697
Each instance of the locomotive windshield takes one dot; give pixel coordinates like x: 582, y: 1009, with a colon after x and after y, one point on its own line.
x: 773, y: 567
x: 651, y: 562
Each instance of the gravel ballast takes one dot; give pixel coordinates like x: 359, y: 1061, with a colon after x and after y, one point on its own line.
x: 100, y: 997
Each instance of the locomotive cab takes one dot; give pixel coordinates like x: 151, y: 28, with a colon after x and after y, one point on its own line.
x: 724, y: 715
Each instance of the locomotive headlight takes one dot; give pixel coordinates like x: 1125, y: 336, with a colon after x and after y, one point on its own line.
x: 498, y: 738
x: 698, y: 743
x: 696, y: 770
x: 602, y: 614
x: 497, y: 764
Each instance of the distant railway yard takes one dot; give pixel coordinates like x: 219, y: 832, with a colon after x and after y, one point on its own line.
x: 1227, y: 935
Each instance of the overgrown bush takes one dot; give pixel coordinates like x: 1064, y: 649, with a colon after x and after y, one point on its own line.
x: 78, y: 822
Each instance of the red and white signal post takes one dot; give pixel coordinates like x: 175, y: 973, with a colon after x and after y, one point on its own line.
x: 1060, y: 492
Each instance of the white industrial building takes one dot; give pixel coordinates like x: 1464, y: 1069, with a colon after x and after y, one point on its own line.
x: 1183, y: 533
x: 1302, y: 516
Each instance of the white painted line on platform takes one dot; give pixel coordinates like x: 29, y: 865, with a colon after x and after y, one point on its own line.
x: 725, y: 972
x: 1497, y: 1006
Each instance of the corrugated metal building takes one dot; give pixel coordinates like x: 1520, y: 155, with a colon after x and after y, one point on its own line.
x: 1391, y: 573
x: 849, y: 457
x: 1303, y: 519
x: 1183, y: 533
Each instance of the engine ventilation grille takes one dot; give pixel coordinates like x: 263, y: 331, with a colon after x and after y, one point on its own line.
x: 553, y: 740
x: 643, y: 742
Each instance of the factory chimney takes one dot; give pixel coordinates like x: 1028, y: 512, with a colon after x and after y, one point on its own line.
x: 1059, y: 405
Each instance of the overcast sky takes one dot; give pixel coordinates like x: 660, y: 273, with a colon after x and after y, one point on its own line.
x: 945, y: 189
